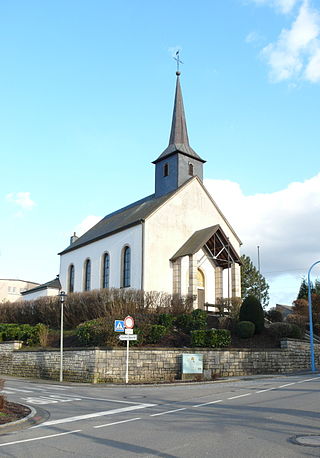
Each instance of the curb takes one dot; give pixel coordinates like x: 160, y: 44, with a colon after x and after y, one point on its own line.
x: 33, y: 418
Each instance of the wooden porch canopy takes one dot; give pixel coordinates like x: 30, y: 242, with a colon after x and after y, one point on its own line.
x: 216, y: 244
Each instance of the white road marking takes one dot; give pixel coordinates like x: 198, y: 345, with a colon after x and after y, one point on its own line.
x: 240, y: 396
x: 208, y: 403
x: 310, y: 379
x: 168, y: 411
x: 17, y: 389
x: 54, y: 387
x: 287, y: 384
x: 117, y: 422
x: 113, y: 400
x: 40, y: 438
x: 50, y: 399
x: 267, y: 389
x: 94, y: 415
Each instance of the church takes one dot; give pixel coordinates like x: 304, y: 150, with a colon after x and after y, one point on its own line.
x: 175, y: 240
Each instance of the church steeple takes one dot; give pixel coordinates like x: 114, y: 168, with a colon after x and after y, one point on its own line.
x: 178, y: 162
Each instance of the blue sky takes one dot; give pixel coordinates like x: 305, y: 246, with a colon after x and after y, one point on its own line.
x: 86, y: 101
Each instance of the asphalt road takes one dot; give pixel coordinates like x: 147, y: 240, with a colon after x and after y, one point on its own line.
x: 253, y: 417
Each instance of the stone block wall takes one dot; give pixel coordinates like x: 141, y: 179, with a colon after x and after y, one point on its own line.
x: 149, y: 364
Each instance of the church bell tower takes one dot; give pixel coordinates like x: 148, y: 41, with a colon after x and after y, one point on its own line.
x: 178, y: 162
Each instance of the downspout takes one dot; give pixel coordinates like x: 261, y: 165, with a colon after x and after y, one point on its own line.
x: 142, y: 254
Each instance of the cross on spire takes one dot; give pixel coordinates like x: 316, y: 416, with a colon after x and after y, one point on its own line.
x: 177, y: 59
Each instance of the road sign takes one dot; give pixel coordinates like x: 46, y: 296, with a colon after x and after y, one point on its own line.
x: 129, y: 322
x: 128, y: 331
x: 128, y: 337
x: 118, y: 325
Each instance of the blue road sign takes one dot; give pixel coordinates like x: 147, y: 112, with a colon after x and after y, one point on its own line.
x: 119, y: 325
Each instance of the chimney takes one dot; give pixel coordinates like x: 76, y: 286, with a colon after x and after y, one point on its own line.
x: 73, y: 238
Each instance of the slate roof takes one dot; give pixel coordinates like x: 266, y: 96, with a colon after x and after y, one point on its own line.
x: 119, y: 220
x: 195, y: 242
x: 205, y: 237
x: 49, y: 284
x: 179, y: 140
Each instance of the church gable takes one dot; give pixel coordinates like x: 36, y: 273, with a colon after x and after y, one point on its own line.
x: 188, y: 210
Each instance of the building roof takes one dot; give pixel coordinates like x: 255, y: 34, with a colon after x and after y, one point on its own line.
x: 215, y: 241
x: 132, y: 215
x: 179, y: 140
x: 119, y: 220
x: 54, y: 284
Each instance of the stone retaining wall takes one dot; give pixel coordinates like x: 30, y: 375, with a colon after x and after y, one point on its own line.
x: 146, y: 365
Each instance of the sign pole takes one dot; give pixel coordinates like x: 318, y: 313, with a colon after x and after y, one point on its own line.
x: 127, y: 363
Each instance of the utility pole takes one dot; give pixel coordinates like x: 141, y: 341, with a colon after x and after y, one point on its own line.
x: 258, y: 247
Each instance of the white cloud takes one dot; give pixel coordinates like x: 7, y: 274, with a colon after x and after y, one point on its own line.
x: 284, y: 6
x: 296, y: 53
x: 86, y: 224
x: 253, y: 37
x: 285, y: 224
x: 22, y: 199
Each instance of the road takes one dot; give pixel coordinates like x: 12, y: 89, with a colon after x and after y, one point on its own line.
x: 251, y: 417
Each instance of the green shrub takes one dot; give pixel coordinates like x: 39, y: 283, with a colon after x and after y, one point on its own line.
x: 251, y: 310
x: 198, y: 338
x: 199, y: 319
x: 156, y: 332
x: 275, y: 316
x: 218, y: 338
x: 245, y: 329
x: 184, y: 323
x: 214, y: 338
x: 29, y: 335
x: 191, y: 322
x: 166, y: 319
x: 281, y: 330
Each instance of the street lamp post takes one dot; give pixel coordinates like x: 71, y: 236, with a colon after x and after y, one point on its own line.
x: 313, y: 367
x: 62, y: 296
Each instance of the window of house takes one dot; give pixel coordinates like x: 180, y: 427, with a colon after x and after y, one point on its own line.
x: 126, y: 267
x: 71, y: 279
x: 105, y: 270
x: 87, y: 275
x: 166, y: 169
x: 190, y: 169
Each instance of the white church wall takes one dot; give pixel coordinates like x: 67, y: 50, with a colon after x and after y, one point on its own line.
x: 189, y: 210
x: 114, y: 245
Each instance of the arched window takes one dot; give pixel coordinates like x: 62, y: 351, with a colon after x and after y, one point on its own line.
x: 166, y: 169
x: 190, y: 169
x: 105, y: 270
x: 126, y: 265
x: 71, y: 279
x: 87, y: 275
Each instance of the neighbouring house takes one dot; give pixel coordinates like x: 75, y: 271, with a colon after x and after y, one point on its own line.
x: 50, y: 288
x: 175, y: 240
x: 11, y: 289
x: 285, y: 310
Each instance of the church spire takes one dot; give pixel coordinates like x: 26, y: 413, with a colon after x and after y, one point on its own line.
x: 178, y: 162
x: 178, y: 141
x: 179, y: 133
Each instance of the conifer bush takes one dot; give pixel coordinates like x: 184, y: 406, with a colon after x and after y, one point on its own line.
x: 251, y: 310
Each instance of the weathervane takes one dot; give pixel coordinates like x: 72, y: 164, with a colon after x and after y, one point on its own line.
x: 177, y: 59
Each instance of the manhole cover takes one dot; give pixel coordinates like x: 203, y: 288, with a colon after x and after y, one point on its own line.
x: 311, y: 440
